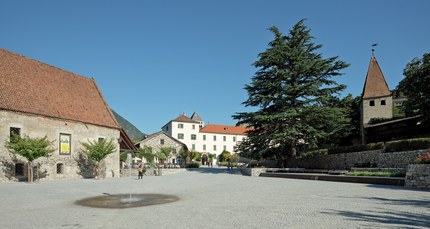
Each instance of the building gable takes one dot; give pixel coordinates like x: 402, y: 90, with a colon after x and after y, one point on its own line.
x: 32, y: 87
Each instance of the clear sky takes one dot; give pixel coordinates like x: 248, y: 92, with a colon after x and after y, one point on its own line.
x: 154, y: 60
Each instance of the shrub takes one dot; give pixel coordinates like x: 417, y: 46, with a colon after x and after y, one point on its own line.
x: 424, y: 159
x: 356, y: 148
x: 314, y: 153
x: 406, y: 145
x: 377, y: 174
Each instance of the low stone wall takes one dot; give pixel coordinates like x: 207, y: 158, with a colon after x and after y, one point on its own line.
x: 254, y: 172
x: 379, y: 158
x: 418, y: 176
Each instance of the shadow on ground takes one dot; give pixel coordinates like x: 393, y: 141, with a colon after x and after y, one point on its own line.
x: 390, y: 217
x: 394, y: 187
x: 234, y: 171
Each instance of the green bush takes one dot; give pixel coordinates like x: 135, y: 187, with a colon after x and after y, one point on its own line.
x: 314, y: 153
x: 408, y: 144
x: 377, y: 174
x: 224, y: 163
x: 192, y: 165
x: 356, y: 148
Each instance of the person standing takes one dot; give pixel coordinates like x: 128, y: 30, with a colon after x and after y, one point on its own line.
x: 140, y: 171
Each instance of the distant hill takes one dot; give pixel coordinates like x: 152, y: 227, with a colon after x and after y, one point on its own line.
x: 133, y: 133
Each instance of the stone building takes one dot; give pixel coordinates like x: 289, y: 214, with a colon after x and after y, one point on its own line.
x: 37, y: 100
x: 161, y: 139
x: 376, y: 100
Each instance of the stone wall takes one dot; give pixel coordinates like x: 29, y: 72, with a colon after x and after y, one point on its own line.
x: 418, y: 176
x: 378, y: 158
x: 72, y: 165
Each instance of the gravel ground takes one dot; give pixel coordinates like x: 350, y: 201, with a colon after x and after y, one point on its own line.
x: 215, y: 198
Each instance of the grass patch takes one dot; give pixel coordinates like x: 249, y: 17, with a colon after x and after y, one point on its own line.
x: 375, y: 174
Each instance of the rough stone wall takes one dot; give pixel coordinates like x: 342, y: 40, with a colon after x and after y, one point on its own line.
x: 418, y: 176
x: 349, y: 160
x: 73, y: 165
x: 155, y: 143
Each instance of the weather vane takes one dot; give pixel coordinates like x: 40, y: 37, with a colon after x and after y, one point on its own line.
x: 374, y: 45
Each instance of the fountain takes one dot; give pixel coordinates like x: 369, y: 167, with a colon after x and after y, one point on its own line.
x: 126, y: 200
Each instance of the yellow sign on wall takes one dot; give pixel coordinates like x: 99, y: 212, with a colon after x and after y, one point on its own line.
x: 65, y: 143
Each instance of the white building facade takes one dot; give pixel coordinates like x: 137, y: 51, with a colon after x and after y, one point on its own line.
x: 206, y: 139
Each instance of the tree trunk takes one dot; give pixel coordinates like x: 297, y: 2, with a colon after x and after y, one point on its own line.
x: 293, y: 156
x: 29, y: 172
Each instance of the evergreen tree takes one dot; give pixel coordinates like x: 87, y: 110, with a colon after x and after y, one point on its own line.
x: 291, y: 90
x: 416, y: 87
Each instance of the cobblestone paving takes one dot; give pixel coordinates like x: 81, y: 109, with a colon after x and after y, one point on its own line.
x: 215, y: 198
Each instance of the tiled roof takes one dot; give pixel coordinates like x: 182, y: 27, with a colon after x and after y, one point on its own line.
x: 223, y: 129
x: 183, y: 118
x: 375, y: 85
x: 33, y: 87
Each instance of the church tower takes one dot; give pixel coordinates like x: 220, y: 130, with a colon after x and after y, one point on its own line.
x: 376, y: 100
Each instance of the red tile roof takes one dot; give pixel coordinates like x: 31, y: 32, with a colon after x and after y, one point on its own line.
x: 375, y: 85
x: 223, y: 129
x: 33, y: 87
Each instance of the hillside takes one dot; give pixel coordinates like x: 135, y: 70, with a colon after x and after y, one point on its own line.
x: 133, y: 133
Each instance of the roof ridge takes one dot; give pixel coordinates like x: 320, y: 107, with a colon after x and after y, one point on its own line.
x: 41, y: 62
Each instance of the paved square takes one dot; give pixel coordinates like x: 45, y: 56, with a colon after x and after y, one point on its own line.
x: 215, y: 198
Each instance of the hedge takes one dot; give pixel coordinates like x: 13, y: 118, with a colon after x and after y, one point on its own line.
x: 392, y: 146
x: 314, y: 153
x: 356, y: 148
x: 407, y: 145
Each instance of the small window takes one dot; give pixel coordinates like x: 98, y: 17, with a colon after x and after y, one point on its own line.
x: 19, y: 169
x: 372, y: 103
x: 181, y: 126
x: 161, y: 141
x: 224, y: 148
x: 214, y: 147
x: 194, y: 127
x: 234, y: 139
x: 224, y: 138
x: 14, y: 131
x: 193, y: 146
x: 193, y: 137
x: 214, y: 137
x: 180, y: 136
x: 60, y: 168
x: 101, y: 139
x: 204, y: 147
x: 204, y: 137
x: 382, y: 102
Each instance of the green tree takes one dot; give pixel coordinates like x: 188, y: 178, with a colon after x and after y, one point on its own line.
x: 146, y: 152
x: 98, y: 150
x: 30, y: 148
x: 416, y: 87
x: 224, y: 156
x: 291, y: 89
x: 164, y: 154
x: 184, y: 155
x: 194, y: 155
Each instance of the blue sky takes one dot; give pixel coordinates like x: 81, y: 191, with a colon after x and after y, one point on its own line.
x: 154, y: 60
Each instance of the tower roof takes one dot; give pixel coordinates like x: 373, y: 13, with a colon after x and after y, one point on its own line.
x: 375, y: 84
x: 196, y: 117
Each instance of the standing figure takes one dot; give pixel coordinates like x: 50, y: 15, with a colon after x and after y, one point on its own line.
x: 140, y: 171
